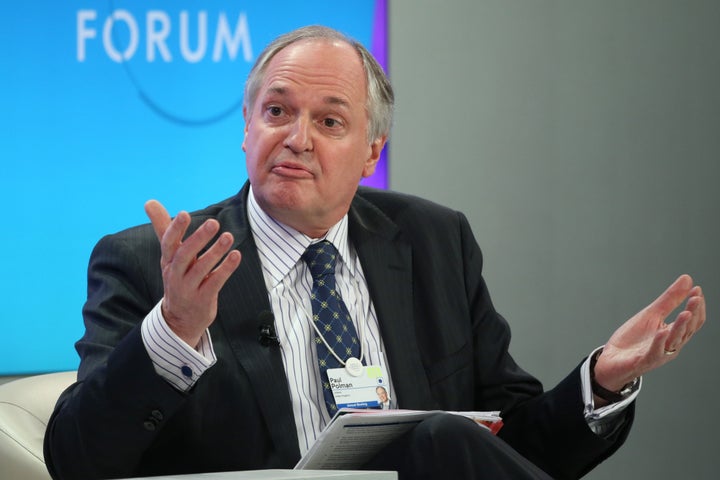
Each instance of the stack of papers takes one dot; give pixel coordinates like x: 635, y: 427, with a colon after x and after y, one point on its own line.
x: 354, y: 436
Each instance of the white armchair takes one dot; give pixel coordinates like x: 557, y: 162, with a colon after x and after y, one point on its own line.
x: 25, y: 408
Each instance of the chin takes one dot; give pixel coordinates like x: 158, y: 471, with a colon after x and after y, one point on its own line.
x: 282, y: 197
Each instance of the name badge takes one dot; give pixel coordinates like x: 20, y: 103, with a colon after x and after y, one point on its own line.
x: 369, y: 389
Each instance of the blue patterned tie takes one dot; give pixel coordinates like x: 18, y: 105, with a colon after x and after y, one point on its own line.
x: 330, y: 315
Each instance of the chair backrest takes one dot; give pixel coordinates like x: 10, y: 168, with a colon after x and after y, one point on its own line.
x: 25, y: 408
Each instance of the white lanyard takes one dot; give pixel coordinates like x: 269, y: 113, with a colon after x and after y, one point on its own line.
x: 353, y: 365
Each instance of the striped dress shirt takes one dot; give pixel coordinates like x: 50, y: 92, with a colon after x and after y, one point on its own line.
x: 288, y: 283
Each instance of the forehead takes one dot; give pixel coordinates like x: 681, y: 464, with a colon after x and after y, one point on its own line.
x: 329, y: 68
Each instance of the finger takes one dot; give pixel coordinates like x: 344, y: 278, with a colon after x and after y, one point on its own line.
x: 217, y: 278
x: 209, y: 260
x: 677, y: 332
x: 159, y: 217
x: 173, y: 237
x: 696, y: 307
x: 194, y: 244
x: 660, y: 344
x: 673, y: 297
x: 702, y: 309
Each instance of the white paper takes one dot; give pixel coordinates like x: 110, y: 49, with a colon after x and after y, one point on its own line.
x: 354, y: 437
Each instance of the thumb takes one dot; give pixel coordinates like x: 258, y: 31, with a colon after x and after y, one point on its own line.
x: 159, y: 217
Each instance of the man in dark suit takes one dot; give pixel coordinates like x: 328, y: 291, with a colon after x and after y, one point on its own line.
x: 173, y: 378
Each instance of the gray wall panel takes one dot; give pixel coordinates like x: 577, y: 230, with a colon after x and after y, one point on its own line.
x: 582, y: 140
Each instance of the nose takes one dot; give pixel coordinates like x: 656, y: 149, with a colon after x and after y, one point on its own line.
x: 299, y: 138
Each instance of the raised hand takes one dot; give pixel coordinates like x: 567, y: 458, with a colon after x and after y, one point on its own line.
x: 647, y: 341
x: 191, y: 281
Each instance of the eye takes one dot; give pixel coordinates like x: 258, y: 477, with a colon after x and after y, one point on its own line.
x: 331, y: 122
x: 274, y: 111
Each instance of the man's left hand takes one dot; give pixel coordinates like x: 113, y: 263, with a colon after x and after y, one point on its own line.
x: 647, y: 341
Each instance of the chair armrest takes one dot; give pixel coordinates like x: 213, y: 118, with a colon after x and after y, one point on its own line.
x: 25, y: 408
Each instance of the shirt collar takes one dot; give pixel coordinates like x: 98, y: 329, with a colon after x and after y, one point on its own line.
x: 281, y: 247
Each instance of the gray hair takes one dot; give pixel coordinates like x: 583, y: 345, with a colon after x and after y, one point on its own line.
x: 380, y: 96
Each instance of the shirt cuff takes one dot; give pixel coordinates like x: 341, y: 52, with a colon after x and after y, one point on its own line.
x: 603, y: 420
x: 173, y: 359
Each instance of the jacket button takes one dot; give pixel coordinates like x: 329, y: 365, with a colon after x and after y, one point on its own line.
x: 149, y: 426
x: 157, y: 415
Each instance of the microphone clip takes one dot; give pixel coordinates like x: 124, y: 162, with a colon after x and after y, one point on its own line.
x: 268, y: 336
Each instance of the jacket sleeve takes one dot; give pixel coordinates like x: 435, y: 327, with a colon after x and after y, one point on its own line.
x: 104, y: 423
x: 548, y: 428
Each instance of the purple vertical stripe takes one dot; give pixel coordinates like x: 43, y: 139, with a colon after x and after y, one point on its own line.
x: 379, y: 33
x: 379, y: 50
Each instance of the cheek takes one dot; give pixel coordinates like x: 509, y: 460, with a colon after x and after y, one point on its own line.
x: 263, y: 142
x: 255, y: 149
x: 251, y: 158
x: 250, y: 140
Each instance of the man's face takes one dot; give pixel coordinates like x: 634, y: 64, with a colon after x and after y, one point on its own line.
x: 306, y: 136
x: 382, y: 394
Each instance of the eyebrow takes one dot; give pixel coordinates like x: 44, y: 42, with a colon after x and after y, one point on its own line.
x: 277, y: 90
x: 330, y: 99
x: 337, y: 101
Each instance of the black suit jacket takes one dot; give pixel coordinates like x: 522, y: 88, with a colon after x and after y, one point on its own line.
x: 446, y: 346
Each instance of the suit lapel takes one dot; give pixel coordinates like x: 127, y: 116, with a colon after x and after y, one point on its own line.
x: 241, y: 300
x: 386, y: 259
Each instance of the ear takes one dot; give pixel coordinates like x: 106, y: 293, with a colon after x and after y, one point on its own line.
x: 245, y: 130
x: 375, y: 149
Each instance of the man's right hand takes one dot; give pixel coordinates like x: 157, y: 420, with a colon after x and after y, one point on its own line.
x: 191, y: 282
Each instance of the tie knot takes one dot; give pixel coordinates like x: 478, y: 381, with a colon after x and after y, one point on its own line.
x: 320, y: 259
